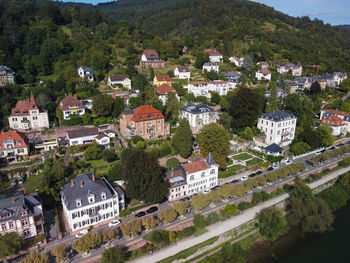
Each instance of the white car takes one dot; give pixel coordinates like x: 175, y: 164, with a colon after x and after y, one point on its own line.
x: 114, y: 223
x: 81, y: 233
x: 206, y: 191
x: 275, y: 166
x: 244, y: 178
x: 287, y: 161
x: 317, y: 153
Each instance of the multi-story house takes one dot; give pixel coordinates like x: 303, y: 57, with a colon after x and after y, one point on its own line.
x: 7, y: 76
x: 163, y: 91
x: 86, y: 73
x: 201, y: 88
x: 214, y: 55
x: 339, y: 77
x: 21, y: 214
x: 263, y: 74
x: 296, y: 70
x: 83, y: 135
x: 13, y: 146
x: 71, y: 105
x: 88, y: 201
x: 198, y: 114
x: 337, y: 124
x: 232, y: 76
x: 28, y: 116
x: 144, y: 121
x: 345, y: 116
x: 182, y: 72
x: 237, y: 61
x: 278, y: 126
x: 119, y: 80
x: 196, y: 176
x: 150, y: 59
x: 219, y: 86
x: 263, y: 64
x: 210, y: 66
x: 161, y: 79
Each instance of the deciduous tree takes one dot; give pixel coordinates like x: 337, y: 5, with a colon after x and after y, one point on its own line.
x: 114, y: 255
x: 182, y: 139
x: 149, y: 222
x: 181, y: 207
x: 59, y: 252
x: 36, y: 258
x: 102, y: 105
x: 198, y: 202
x: 167, y: 215
x: 271, y: 223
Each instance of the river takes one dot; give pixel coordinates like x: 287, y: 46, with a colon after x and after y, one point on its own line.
x: 295, y: 247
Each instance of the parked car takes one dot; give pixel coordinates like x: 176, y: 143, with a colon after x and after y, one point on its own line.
x: 140, y: 214
x: 317, y: 153
x: 21, y: 180
x: 152, y: 210
x: 215, y: 187
x: 275, y: 166
x: 234, y: 181
x: 244, y: 178
x: 81, y: 233
x: 206, y: 191
x: 187, y: 198
x: 114, y: 223
x: 258, y: 172
x: 252, y: 175
x: 269, y: 169
x: 14, y: 182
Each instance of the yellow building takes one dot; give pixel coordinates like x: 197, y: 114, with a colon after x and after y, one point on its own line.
x: 161, y: 79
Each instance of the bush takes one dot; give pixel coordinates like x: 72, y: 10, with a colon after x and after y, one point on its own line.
x: 159, y: 238
x: 124, y: 212
x: 172, y: 163
x: 134, y: 202
x: 229, y: 210
x: 212, y: 218
x: 335, y: 197
x: 136, y: 139
x: 244, y: 205
x: 93, y: 152
x: 108, y: 156
x: 199, y: 221
x: 164, y: 150
x: 188, y: 231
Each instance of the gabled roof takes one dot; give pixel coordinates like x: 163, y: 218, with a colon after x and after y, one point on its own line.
x: 183, y: 69
x: 82, y: 187
x: 231, y: 74
x: 146, y: 112
x: 336, y: 112
x: 197, y: 164
x: 150, y: 54
x: 18, y: 138
x: 82, y: 132
x: 164, y: 89
x: 70, y: 101
x: 212, y: 52
x: 14, y: 204
x: 119, y: 77
x: 333, y: 120
x: 197, y: 108
x: 274, y: 148
x: 210, y: 160
x: 265, y: 72
x: 277, y: 116
x: 163, y: 78
x: 7, y: 69
x: 207, y: 64
x: 218, y: 82
x: 24, y: 106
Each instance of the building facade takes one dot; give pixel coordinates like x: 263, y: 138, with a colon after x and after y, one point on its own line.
x: 237, y: 61
x: 84, y: 135
x: 13, y: 146
x: 263, y: 74
x: 7, y: 76
x: 21, y: 214
x: 201, y: 88
x: 211, y: 66
x: 122, y: 80
x: 337, y: 124
x: 182, y: 72
x: 28, y: 116
x: 214, y: 55
x: 86, y: 73
x: 71, y: 105
x: 150, y: 59
x: 296, y: 70
x: 345, y: 116
x: 88, y: 201
x: 278, y: 126
x: 161, y: 79
x: 198, y: 114
x: 164, y: 90
x: 144, y: 121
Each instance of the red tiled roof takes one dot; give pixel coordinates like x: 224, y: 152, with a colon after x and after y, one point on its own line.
x: 196, y: 165
x: 15, y: 136
x: 163, y: 78
x: 337, y: 112
x: 212, y: 52
x: 70, y: 101
x: 333, y: 120
x: 165, y: 89
x: 218, y: 82
x: 121, y: 93
x: 198, y: 82
x: 265, y: 71
x: 150, y: 53
x: 146, y: 112
x: 24, y: 106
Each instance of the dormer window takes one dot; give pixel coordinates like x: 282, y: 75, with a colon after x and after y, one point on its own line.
x: 91, y: 198
x: 149, y: 116
x: 103, y: 196
x: 19, y: 143
x: 78, y: 202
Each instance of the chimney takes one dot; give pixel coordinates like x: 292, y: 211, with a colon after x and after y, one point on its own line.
x: 81, y: 183
x: 72, y: 182
x: 13, y: 199
x: 93, y: 178
x: 75, y: 95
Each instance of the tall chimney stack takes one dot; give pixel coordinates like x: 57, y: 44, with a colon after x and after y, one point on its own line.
x: 93, y: 178
x: 72, y: 182
x: 81, y: 183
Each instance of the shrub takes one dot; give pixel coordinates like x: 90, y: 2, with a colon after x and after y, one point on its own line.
x: 124, y: 212
x: 134, y: 202
x: 188, y: 231
x: 229, y: 210
x: 172, y: 163
x: 93, y: 152
x: 159, y: 238
x: 213, y: 218
x: 108, y: 156
x: 136, y: 139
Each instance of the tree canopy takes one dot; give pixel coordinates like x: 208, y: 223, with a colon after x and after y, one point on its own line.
x: 182, y: 139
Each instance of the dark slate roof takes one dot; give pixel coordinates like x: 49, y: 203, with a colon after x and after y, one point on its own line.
x: 210, y: 64
x: 127, y: 111
x: 7, y: 69
x: 273, y: 148
x: 230, y: 74
x: 277, y: 116
x: 14, y: 203
x: 83, y: 187
x: 197, y: 108
x: 88, y: 71
x: 82, y: 132
x: 119, y: 77
x: 210, y: 160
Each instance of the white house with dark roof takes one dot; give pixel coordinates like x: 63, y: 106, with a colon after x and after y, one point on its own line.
x: 196, y: 176
x: 339, y: 77
x: 198, y: 114
x: 214, y: 55
x: 278, y: 126
x: 211, y: 66
x: 88, y: 201
x: 263, y: 74
x: 150, y: 58
x: 123, y: 80
x: 84, y: 135
x: 237, y: 61
x: 263, y: 64
x: 21, y: 214
x: 86, y: 73
x: 71, y: 105
x: 7, y: 76
x: 182, y: 72
x: 296, y: 70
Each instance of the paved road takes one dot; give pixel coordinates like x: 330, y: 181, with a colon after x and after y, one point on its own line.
x: 227, y: 225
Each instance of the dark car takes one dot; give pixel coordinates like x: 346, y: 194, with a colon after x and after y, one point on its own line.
x: 269, y: 169
x: 252, y: 175
x: 140, y: 214
x: 258, y: 172
x: 215, y: 188
x: 152, y: 210
x: 234, y: 181
x: 187, y: 198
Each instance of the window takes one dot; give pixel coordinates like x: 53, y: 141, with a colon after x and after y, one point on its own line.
x: 103, y: 196
x: 15, y: 125
x: 212, y: 171
x: 36, y: 124
x: 11, y: 225
x: 14, y: 119
x: 19, y: 143
x: 24, y: 222
x: 203, y: 174
x: 78, y: 202
x: 192, y: 178
x: 35, y: 118
x: 20, y: 151
x: 3, y: 226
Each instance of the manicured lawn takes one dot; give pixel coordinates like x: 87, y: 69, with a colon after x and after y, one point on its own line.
x: 230, y: 171
x: 242, y: 156
x: 33, y: 182
x: 229, y: 162
x: 253, y: 162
